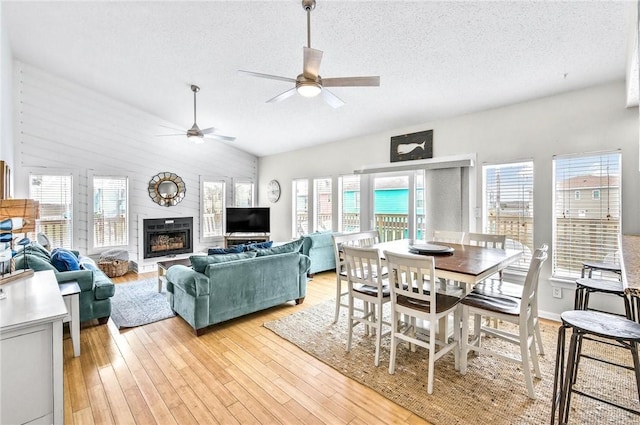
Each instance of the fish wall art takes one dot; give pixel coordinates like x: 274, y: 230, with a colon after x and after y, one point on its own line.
x: 407, y: 147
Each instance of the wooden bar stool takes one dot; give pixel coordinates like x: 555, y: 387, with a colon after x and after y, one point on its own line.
x: 623, y: 332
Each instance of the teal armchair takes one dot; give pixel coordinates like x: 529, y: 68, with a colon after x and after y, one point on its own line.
x: 96, y: 289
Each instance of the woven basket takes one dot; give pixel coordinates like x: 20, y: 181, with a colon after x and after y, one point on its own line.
x: 114, y: 268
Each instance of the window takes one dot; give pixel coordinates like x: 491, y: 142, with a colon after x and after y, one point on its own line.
x: 213, y: 207
x: 322, y: 204
x: 391, y: 205
x: 243, y: 194
x: 595, y: 195
x: 585, y: 229
x: 507, y: 206
x: 350, y: 203
x: 55, y: 195
x: 301, y: 207
x: 576, y: 195
x: 110, y: 211
x: 421, y: 223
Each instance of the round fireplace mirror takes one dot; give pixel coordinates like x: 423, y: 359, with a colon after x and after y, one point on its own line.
x: 167, y: 189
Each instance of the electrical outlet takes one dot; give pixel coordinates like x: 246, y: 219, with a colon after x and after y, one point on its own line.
x: 557, y: 292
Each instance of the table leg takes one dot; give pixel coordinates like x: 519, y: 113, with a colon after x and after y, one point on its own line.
x: 75, y: 324
x: 160, y: 274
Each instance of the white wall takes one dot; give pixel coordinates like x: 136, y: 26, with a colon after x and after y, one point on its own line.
x: 590, y: 120
x: 6, y: 102
x: 62, y: 126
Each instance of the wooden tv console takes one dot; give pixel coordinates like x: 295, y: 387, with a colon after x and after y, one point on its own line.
x: 231, y: 239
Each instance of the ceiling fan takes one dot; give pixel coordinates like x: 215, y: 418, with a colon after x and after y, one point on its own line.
x: 194, y: 133
x: 309, y: 83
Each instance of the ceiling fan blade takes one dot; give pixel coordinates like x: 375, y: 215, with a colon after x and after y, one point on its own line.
x: 170, y: 128
x: 267, y: 76
x: 220, y: 137
x: 331, y: 98
x: 282, y: 96
x: 351, y: 82
x: 210, y: 130
x: 311, y: 62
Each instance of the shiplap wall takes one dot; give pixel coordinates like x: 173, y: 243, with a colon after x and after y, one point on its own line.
x: 61, y: 126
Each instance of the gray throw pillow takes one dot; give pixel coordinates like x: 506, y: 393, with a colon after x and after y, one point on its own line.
x: 200, y: 262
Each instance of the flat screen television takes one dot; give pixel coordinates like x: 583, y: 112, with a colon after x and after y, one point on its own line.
x: 248, y: 220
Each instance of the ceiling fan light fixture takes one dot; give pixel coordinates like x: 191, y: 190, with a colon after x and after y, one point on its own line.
x: 198, y: 140
x: 309, y: 89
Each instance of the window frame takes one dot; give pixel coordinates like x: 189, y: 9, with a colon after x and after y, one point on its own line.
x: 317, y: 204
x: 218, y: 180
x: 243, y: 181
x: 357, y: 201
x: 91, y: 211
x: 75, y: 187
x: 597, y: 252
x: 522, y: 217
x: 294, y: 207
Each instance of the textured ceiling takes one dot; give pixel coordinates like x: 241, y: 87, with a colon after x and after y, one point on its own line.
x: 435, y: 59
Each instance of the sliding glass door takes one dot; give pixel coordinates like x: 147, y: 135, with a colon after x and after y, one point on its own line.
x: 398, y: 205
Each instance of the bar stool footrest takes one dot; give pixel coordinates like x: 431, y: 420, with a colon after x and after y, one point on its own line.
x: 610, y: 403
x: 587, y: 356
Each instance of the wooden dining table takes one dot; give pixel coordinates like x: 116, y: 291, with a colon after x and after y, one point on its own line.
x: 467, y: 263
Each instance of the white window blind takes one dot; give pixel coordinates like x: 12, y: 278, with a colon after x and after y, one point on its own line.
x: 55, y: 195
x: 350, y: 203
x: 213, y: 207
x: 243, y: 194
x: 507, y: 203
x: 322, y: 204
x: 586, y: 227
x: 110, y: 211
x: 301, y: 207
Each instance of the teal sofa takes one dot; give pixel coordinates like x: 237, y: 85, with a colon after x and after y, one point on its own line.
x: 217, y: 288
x: 319, y: 247
x: 96, y: 289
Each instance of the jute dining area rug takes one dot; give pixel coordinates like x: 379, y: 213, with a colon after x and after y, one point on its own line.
x: 492, y: 392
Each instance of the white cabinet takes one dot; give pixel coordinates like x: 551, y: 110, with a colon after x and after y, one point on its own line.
x: 31, y: 389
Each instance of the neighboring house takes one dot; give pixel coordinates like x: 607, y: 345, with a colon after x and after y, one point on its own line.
x: 588, y: 196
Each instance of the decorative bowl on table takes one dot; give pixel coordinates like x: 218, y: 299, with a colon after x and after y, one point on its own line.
x: 430, y: 249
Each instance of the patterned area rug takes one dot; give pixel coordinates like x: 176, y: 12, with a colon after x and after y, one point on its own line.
x: 493, y: 391
x: 139, y: 303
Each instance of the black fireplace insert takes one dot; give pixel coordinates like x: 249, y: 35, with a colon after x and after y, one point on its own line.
x: 167, y: 236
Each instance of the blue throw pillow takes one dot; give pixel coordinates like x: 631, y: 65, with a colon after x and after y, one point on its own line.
x: 236, y: 249
x: 64, y: 260
x: 258, y: 245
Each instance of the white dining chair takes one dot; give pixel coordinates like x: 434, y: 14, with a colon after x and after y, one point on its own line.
x: 362, y: 239
x: 448, y: 236
x: 487, y: 240
x: 498, y: 286
x: 366, y: 282
x: 519, y: 311
x: 415, y: 299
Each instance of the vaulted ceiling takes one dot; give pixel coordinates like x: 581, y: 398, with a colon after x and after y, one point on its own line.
x: 435, y: 59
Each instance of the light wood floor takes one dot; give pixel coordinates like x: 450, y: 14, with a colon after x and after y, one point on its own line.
x: 236, y: 373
